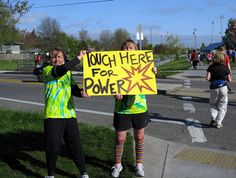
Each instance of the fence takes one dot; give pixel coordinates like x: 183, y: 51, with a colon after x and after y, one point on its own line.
x: 25, y: 65
x: 9, y: 57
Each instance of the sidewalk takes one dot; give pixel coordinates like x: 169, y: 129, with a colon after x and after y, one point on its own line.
x: 199, y: 74
x: 164, y: 159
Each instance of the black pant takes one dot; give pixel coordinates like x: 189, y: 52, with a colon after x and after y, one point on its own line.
x: 57, y: 129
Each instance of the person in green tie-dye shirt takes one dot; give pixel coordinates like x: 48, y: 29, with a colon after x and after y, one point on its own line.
x: 60, y: 117
x: 130, y: 112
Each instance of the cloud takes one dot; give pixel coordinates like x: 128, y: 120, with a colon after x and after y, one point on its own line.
x: 152, y: 25
x: 172, y: 11
x: 233, y: 9
x: 89, y: 24
x: 34, y: 18
x: 215, y: 3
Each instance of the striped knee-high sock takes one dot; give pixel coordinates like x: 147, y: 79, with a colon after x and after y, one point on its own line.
x: 139, y: 150
x: 118, y: 152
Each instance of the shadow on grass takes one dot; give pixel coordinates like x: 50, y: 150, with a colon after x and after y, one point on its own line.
x: 14, y: 148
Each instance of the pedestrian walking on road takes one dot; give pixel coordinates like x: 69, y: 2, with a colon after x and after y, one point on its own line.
x: 194, y: 59
x: 60, y: 117
x: 218, y: 75
x: 130, y: 112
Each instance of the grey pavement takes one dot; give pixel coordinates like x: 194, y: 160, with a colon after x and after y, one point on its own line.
x: 164, y: 159
x: 199, y: 74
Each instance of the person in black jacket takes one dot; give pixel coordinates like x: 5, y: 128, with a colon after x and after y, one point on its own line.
x: 60, y: 117
x: 218, y: 75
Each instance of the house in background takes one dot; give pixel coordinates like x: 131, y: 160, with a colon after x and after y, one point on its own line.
x: 11, y: 48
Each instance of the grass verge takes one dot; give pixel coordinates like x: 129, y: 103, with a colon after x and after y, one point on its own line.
x: 8, y: 65
x: 22, y: 148
x: 173, y: 67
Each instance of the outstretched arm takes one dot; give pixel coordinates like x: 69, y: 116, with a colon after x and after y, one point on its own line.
x: 58, y: 71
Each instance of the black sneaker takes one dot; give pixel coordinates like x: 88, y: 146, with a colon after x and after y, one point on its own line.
x: 213, y: 123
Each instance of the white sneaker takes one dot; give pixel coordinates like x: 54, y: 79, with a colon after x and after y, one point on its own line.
x: 115, y: 170
x: 85, y: 175
x: 49, y: 177
x: 139, y: 170
x: 218, y: 126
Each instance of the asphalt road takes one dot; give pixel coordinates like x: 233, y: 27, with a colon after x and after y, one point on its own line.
x: 174, y: 118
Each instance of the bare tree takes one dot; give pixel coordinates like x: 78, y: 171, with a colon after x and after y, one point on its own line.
x: 106, y: 39
x: 83, y: 35
x: 49, y: 33
x: 120, y: 35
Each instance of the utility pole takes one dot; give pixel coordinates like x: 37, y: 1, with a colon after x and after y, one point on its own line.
x: 166, y: 36
x: 139, y: 36
x: 195, y: 37
x: 151, y: 37
x: 212, y: 23
x: 221, y: 17
x: 140, y: 41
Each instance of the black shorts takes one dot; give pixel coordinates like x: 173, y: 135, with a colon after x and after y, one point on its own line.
x: 122, y: 122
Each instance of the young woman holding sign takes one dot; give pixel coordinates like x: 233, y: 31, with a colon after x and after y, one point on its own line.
x: 130, y: 112
x: 60, y: 117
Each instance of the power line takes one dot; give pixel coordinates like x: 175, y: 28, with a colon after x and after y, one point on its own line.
x: 70, y: 4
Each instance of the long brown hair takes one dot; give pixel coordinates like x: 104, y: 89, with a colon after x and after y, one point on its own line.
x: 219, y: 58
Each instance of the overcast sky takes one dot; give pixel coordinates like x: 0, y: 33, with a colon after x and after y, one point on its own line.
x: 158, y: 18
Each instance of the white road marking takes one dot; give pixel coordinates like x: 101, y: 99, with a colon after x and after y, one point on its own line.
x: 42, y: 104
x: 168, y: 121
x: 193, y: 125
x: 22, y: 101
x: 188, y: 107
x: 187, y: 83
x: 187, y: 98
x: 195, y: 131
x: 94, y: 112
x: 86, y: 110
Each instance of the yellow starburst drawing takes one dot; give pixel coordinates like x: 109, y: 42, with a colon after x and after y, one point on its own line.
x: 137, y: 78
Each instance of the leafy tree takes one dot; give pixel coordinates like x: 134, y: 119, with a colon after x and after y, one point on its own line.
x: 10, y: 14
x: 83, y: 45
x: 29, y: 39
x: 230, y: 34
x: 203, y: 46
x: 83, y: 35
x: 96, y: 45
x: 174, y: 45
x: 160, y: 49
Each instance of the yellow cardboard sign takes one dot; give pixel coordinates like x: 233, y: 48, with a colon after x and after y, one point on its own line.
x: 119, y: 72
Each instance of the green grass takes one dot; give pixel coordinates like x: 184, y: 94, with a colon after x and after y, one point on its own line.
x: 233, y: 64
x: 173, y: 67
x: 8, y: 65
x: 22, y: 148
